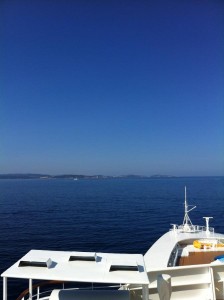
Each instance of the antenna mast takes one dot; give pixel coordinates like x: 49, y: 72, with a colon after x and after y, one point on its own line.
x: 187, y: 221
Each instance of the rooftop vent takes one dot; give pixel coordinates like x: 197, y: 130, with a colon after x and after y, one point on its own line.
x: 41, y: 264
x: 123, y: 268
x: 82, y: 258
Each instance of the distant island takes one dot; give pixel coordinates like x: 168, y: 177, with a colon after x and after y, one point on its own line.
x: 76, y: 177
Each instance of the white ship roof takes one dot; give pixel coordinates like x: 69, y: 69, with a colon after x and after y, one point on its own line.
x: 101, y: 267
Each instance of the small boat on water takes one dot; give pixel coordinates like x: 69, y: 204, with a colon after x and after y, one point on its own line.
x: 187, y: 262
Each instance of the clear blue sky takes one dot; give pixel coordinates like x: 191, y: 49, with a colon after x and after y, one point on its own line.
x: 112, y: 87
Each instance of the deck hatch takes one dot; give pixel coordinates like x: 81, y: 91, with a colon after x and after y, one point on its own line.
x: 82, y: 258
x: 123, y: 268
x: 36, y: 263
x: 25, y: 263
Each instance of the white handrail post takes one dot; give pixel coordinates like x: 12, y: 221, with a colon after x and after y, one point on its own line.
x: 164, y: 286
x: 38, y: 293
x: 145, y: 292
x: 30, y: 288
x: 4, y: 288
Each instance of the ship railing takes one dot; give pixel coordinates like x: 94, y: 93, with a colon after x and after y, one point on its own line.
x: 191, y: 228
x: 44, y: 295
x: 174, y: 256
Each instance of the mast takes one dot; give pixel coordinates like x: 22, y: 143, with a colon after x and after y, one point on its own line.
x: 187, y: 221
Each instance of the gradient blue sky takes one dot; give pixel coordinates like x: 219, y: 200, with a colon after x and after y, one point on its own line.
x: 112, y: 87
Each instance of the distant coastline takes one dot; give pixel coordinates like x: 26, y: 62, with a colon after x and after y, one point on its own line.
x: 83, y: 177
x: 75, y: 176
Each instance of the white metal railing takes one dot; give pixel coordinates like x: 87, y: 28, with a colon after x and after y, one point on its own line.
x: 173, y: 257
x: 191, y: 228
x: 46, y: 294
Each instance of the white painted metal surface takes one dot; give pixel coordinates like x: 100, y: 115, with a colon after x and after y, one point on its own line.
x: 158, y: 255
x: 4, y: 288
x: 164, y: 286
x: 89, y: 295
x: 97, y: 271
x: 81, y: 271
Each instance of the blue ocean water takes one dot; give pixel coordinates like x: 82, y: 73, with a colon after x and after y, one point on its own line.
x: 113, y: 215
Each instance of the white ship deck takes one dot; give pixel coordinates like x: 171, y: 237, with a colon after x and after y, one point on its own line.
x: 106, y: 268
x: 157, y: 257
x: 80, y: 270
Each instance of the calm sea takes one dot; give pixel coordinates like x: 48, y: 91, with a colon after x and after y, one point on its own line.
x: 113, y: 215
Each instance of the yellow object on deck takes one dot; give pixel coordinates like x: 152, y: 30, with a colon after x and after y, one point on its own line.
x: 202, y: 245
x: 206, y: 245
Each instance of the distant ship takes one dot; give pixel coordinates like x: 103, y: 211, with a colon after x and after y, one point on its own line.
x: 187, y: 262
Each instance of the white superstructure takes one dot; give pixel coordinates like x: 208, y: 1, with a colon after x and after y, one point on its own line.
x: 199, y: 275
x: 107, y: 268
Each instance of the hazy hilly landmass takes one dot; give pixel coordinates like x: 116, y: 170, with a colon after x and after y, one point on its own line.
x: 75, y: 176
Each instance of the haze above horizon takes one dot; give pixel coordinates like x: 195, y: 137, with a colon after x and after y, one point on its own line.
x: 112, y: 87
